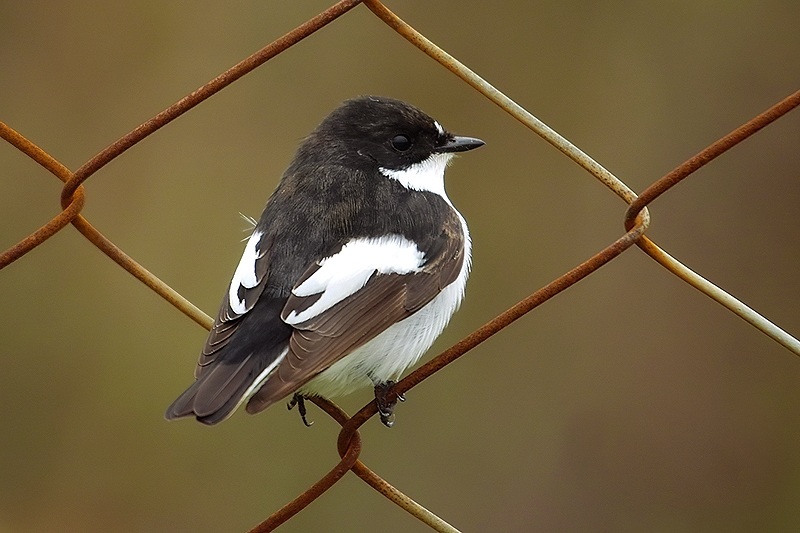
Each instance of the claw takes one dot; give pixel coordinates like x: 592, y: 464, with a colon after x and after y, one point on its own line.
x: 300, y: 402
x: 385, y: 400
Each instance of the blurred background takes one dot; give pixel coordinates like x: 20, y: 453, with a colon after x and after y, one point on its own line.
x: 631, y: 402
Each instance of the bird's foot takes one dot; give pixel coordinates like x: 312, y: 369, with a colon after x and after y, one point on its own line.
x: 386, y: 399
x: 300, y: 401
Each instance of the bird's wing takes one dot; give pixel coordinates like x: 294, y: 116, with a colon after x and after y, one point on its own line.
x: 227, y: 371
x: 347, y: 299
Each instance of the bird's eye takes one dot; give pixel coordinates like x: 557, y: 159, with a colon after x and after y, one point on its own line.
x: 401, y: 143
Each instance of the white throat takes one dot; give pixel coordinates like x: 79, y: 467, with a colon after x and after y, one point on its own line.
x: 427, y: 175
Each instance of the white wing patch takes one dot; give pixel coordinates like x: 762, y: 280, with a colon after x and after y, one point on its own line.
x: 346, y: 272
x: 245, y: 275
x: 399, y: 346
x: 427, y: 175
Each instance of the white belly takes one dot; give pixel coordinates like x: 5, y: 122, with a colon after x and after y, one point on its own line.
x: 401, y: 345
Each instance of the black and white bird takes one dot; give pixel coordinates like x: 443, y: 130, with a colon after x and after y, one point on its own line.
x: 355, y: 267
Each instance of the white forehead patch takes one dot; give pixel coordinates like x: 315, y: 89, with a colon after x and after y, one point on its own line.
x: 427, y: 175
x: 439, y: 127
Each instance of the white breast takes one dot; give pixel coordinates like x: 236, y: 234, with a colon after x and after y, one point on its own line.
x: 401, y: 345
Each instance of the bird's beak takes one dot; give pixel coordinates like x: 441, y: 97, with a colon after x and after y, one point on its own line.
x: 460, y: 144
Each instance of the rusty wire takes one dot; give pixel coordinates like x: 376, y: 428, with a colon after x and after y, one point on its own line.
x: 636, y: 222
x: 72, y: 196
x: 676, y: 176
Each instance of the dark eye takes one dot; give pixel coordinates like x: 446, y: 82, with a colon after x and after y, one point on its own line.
x: 401, y: 143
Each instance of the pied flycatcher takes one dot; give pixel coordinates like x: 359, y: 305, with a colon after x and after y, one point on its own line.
x: 355, y: 267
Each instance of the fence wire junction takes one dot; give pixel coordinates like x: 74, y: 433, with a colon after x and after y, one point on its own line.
x: 636, y: 223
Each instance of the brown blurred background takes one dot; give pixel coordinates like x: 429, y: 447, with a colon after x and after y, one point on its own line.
x: 631, y: 402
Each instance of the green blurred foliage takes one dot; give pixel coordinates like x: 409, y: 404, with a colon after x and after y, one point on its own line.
x: 628, y: 403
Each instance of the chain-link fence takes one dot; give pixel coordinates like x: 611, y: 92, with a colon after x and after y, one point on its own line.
x: 349, y: 444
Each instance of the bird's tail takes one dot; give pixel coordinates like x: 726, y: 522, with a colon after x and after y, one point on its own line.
x: 217, y: 393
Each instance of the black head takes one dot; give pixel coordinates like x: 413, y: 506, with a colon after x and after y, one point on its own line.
x: 373, y: 132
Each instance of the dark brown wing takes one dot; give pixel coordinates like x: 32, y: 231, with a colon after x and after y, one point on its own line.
x: 228, y: 318
x: 384, y: 300
x: 246, y: 342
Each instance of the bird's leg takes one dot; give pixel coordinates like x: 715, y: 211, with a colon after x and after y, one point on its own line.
x: 300, y: 401
x: 386, y: 399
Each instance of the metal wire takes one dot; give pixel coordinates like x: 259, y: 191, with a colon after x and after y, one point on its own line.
x: 349, y: 444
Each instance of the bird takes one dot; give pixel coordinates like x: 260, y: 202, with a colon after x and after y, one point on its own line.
x: 354, y: 268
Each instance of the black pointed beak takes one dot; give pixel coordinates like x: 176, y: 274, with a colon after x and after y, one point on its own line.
x: 460, y: 144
